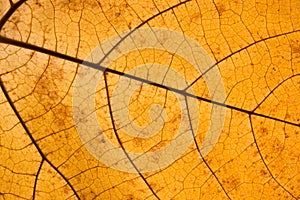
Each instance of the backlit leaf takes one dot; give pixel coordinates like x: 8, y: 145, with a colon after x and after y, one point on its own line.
x: 150, y: 99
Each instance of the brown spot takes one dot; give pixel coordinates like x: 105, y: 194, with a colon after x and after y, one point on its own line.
x: 15, y: 19
x: 295, y: 46
x: 38, y: 3
x: 218, y: 50
x: 233, y: 182
x: 277, y: 145
x: 221, y: 8
x: 263, y: 172
x: 130, y: 197
x: 269, y: 156
x: 66, y: 190
x: 264, y: 130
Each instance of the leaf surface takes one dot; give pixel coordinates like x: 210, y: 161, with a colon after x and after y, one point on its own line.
x: 254, y: 46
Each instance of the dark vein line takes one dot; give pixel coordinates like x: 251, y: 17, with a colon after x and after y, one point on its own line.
x: 15, y: 196
x: 36, y: 179
x: 11, y: 11
x: 119, y: 140
x: 101, y: 68
x: 271, y: 92
x: 9, y: 100
x: 198, y: 149
x: 137, y: 27
x: 85, y: 170
x: 242, y: 49
x: 112, y: 187
x: 12, y: 170
x: 264, y: 162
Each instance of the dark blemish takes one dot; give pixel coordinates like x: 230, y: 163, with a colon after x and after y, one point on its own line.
x: 15, y: 19
x: 38, y: 3
x: 218, y: 50
x: 31, y: 54
x: 269, y: 157
x: 221, y: 9
x: 263, y: 172
x: 130, y: 197
x: 264, y: 130
x: 66, y: 190
x: 276, y: 146
x: 234, y: 182
x: 295, y: 48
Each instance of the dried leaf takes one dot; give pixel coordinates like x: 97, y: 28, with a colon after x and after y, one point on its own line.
x: 149, y: 100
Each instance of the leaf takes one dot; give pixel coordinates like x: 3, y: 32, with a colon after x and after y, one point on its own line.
x: 215, y: 92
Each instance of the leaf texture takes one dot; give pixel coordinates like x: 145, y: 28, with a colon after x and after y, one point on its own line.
x: 47, y: 151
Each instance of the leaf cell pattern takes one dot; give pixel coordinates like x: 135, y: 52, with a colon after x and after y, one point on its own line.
x: 253, y: 45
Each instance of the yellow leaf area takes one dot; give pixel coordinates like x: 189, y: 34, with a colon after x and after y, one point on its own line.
x: 255, y: 46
